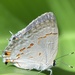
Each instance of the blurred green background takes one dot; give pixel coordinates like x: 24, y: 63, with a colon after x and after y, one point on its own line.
x: 16, y: 14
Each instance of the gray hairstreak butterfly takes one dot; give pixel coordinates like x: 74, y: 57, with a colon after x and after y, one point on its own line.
x: 34, y: 47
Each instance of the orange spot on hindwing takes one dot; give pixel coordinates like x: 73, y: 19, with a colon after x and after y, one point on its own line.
x: 7, y: 53
x: 22, y: 49
x: 30, y: 45
x: 7, y: 61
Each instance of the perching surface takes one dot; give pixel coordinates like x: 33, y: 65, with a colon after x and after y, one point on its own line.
x: 14, y: 15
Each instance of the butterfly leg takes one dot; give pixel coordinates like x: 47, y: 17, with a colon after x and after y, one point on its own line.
x: 50, y: 71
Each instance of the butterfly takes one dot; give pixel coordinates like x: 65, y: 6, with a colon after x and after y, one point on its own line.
x: 35, y: 46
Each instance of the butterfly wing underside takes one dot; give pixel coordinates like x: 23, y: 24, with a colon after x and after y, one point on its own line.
x: 38, y: 45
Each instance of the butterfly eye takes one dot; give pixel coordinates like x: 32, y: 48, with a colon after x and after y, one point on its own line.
x: 14, y: 38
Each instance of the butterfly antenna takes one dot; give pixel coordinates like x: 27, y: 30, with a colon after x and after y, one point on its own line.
x: 10, y: 32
